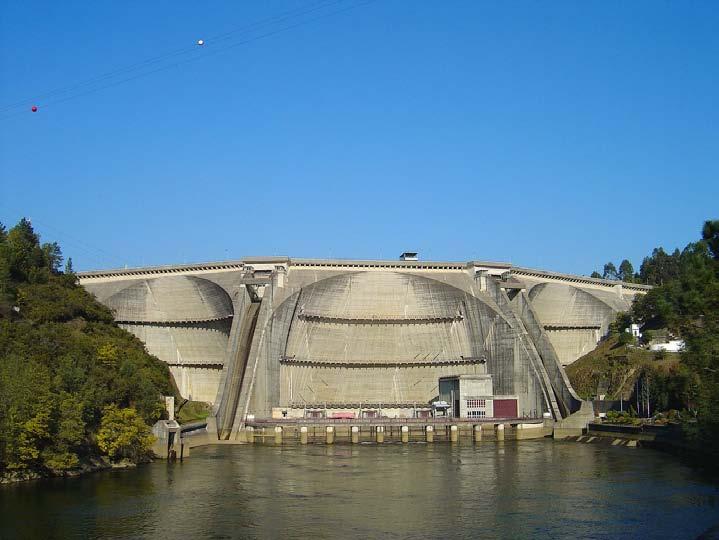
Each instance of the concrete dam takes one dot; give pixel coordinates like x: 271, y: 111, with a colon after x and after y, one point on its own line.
x: 278, y: 337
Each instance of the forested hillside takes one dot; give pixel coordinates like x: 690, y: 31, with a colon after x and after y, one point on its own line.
x: 73, y: 385
x: 685, y: 304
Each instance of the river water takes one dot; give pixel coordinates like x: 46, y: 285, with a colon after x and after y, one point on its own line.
x: 524, y: 489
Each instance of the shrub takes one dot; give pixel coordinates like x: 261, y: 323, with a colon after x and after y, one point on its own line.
x: 626, y: 338
x: 622, y: 417
x: 124, y: 435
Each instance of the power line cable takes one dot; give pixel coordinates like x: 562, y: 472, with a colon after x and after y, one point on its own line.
x: 195, y: 58
x: 80, y: 243
x: 209, y: 41
x: 96, y: 253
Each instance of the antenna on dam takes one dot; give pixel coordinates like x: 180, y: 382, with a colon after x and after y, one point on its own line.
x: 409, y: 256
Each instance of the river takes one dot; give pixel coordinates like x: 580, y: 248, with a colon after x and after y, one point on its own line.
x: 525, y: 489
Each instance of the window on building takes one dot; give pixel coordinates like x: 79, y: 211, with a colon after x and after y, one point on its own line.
x: 476, y: 403
x: 477, y: 414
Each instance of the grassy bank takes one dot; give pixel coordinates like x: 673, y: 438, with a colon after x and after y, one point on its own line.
x: 614, y: 369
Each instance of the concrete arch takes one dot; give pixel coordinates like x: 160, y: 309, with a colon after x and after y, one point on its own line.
x: 575, y: 319
x: 387, y: 316
x: 184, y: 321
x: 382, y: 321
x: 171, y: 299
x: 460, y: 284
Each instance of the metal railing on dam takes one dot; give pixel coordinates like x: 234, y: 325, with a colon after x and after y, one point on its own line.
x: 389, y: 421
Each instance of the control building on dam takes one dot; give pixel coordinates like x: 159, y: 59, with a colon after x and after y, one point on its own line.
x: 281, y: 337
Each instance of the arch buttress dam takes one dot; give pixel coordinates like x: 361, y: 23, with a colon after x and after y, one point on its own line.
x: 266, y: 336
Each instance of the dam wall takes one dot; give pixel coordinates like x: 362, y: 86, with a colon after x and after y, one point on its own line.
x: 263, y: 335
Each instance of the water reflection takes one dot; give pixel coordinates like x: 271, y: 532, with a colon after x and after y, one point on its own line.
x: 528, y: 489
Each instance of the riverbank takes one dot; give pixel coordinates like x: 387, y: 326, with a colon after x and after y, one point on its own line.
x: 88, y: 467
x: 670, y: 439
x: 278, y: 434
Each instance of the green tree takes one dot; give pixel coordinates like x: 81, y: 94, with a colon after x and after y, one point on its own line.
x: 71, y: 426
x: 660, y: 267
x: 622, y: 321
x: 610, y: 271
x: 626, y: 271
x: 52, y: 255
x: 596, y: 275
x: 25, y: 251
x: 123, y: 434
x: 710, y: 234
x: 28, y: 440
x: 682, y: 300
x: 647, y: 336
x: 626, y: 338
x: 108, y: 354
x: 5, y: 274
x: 69, y: 434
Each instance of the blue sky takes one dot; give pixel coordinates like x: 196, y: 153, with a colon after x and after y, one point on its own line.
x: 553, y: 135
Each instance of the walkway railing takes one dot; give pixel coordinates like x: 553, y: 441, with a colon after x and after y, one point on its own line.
x: 441, y: 420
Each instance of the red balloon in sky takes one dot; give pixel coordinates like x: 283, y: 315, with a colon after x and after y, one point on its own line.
x: 33, y: 108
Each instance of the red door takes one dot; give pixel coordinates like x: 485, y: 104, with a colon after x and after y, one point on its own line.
x: 505, y: 408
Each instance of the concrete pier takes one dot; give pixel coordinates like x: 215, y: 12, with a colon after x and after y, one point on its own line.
x: 477, y: 433
x: 278, y: 434
x: 531, y: 431
x: 405, y: 434
x: 330, y: 435
x: 429, y: 434
x: 355, y: 434
x: 379, y: 434
x: 303, y: 435
x: 250, y: 434
x: 453, y: 434
x: 500, y: 432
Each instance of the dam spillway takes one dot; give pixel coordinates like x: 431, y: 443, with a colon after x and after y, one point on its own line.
x: 268, y: 337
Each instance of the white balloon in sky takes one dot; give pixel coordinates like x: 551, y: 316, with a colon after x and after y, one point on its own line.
x: 200, y: 41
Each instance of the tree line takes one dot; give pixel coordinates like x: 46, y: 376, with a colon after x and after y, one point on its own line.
x: 685, y: 302
x: 73, y: 385
x: 658, y: 268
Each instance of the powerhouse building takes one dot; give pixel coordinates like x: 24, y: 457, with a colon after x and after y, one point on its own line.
x: 274, y: 335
